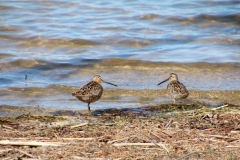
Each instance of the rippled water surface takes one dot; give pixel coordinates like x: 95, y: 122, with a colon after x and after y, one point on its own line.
x: 58, y: 46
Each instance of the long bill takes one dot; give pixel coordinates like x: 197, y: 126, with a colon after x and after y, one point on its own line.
x: 163, y: 81
x: 109, y: 83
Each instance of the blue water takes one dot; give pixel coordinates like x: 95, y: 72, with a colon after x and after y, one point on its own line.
x: 133, y: 43
x: 179, y: 31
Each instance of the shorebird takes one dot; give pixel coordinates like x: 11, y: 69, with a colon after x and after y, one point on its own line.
x: 92, y: 91
x: 176, y: 90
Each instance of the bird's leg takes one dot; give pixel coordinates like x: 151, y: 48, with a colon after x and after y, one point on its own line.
x: 89, y: 107
x: 89, y: 110
x: 174, y: 101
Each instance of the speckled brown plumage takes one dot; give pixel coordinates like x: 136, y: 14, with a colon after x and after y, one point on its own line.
x: 89, y: 93
x: 92, y: 91
x: 175, y: 89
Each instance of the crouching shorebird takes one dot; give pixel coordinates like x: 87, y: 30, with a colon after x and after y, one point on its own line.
x: 92, y: 91
x: 176, y: 90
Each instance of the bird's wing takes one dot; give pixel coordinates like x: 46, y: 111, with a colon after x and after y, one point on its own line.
x: 177, y: 88
x: 90, y: 89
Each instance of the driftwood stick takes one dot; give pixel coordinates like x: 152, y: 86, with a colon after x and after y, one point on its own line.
x: 222, y: 137
x: 80, y: 139
x: 233, y: 146
x: 78, y: 125
x: 234, y: 132
x: 163, y: 146
x: 83, y: 158
x: 157, y: 144
x: 46, y: 138
x: 219, y: 107
x: 30, y: 143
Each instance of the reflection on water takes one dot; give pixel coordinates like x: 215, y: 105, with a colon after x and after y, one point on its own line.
x: 135, y: 44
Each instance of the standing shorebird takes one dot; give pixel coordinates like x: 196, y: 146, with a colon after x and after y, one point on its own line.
x: 176, y: 90
x: 92, y: 91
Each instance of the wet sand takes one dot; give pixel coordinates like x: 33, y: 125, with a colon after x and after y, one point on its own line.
x: 137, y: 83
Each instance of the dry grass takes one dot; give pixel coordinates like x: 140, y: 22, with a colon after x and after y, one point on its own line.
x: 152, y: 133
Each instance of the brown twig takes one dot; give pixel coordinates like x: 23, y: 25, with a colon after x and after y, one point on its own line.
x: 155, y: 135
x: 55, y: 135
x: 134, y: 144
x: 169, y: 123
x: 25, y: 153
x: 110, y: 142
x: 166, y: 133
x: 18, y: 150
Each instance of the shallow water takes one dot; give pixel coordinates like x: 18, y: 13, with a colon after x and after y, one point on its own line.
x: 136, y: 44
